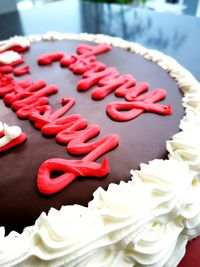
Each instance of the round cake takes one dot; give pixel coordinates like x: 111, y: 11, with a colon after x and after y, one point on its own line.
x: 75, y: 196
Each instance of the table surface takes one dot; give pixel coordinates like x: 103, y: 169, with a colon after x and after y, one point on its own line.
x: 176, y: 36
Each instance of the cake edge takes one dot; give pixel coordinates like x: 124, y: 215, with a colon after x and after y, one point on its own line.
x: 147, y: 221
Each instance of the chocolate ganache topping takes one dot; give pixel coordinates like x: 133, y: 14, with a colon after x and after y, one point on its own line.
x: 140, y: 140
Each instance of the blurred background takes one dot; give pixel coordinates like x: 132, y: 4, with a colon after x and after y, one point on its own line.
x: 170, y: 26
x: 190, y: 7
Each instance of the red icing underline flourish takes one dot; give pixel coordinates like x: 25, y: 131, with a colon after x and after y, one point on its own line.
x: 145, y: 102
x: 74, y: 168
x: 71, y: 169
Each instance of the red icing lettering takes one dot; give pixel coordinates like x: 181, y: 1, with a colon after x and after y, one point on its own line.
x: 76, y: 144
x: 124, y: 88
x: 66, y: 61
x: 60, y: 124
x: 34, y: 96
x: 6, y: 69
x: 136, y: 90
x: 76, y: 140
x: 86, y: 64
x: 5, y: 79
x: 67, y: 104
x: 88, y: 50
x: 131, y: 110
x: 153, y: 96
x: 47, y: 59
x: 84, y: 67
x: 6, y: 82
x: 43, y: 114
x: 24, y: 112
x: 106, y: 144
x: 6, y: 89
x: 109, y: 84
x: 85, y: 51
x: 22, y: 90
x: 21, y: 70
x: 91, y: 78
x: 132, y: 92
x: 71, y: 131
x: 40, y: 115
x: 11, y: 87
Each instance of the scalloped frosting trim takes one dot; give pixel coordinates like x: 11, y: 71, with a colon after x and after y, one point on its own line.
x: 145, y: 222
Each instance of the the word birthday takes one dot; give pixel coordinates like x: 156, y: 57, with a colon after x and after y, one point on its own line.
x: 109, y: 80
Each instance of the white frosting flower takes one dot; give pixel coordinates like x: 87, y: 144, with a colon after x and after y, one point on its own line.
x: 163, y: 178
x: 190, y: 120
x: 192, y: 101
x: 185, y: 147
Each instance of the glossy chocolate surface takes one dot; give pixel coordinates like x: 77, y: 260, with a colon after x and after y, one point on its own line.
x: 141, y: 140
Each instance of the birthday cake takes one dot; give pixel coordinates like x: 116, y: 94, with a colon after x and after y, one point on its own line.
x: 78, y: 114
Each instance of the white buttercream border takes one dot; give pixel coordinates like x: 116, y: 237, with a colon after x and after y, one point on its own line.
x: 145, y: 222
